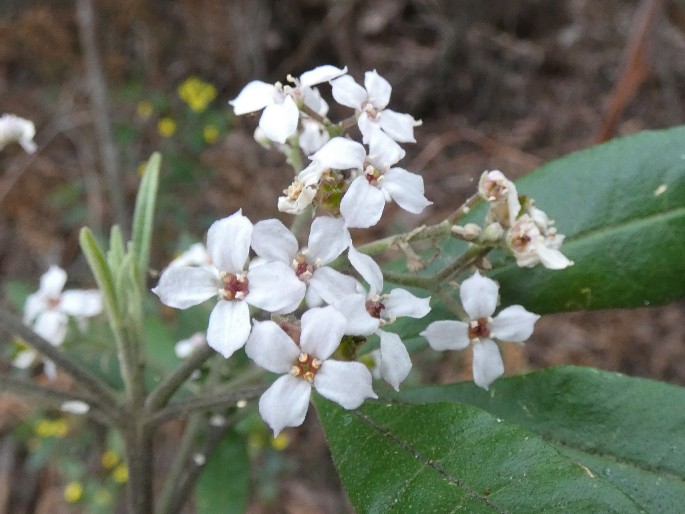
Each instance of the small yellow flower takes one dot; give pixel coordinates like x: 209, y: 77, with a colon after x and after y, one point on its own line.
x: 141, y: 168
x: 196, y: 93
x: 144, y: 109
x: 109, y: 459
x: 120, y: 474
x: 280, y: 442
x: 210, y: 134
x: 60, y: 428
x: 166, y: 127
x: 51, y: 428
x: 73, y: 491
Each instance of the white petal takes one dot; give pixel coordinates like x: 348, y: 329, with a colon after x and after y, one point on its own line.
x: 35, y: 304
x: 395, y: 361
x: 401, y: 302
x: 331, y: 285
x: 479, y: 296
x: 363, y: 204
x: 279, y: 120
x: 320, y: 74
x: 254, y: 96
x: 378, y: 88
x: 383, y: 151
x: 346, y: 383
x: 328, y: 238
x: 285, y: 403
x: 77, y: 302
x: 312, y: 137
x: 487, y: 363
x: 341, y: 153
x: 367, y: 268
x: 552, y: 258
x: 228, y: 242
x: 52, y: 281
x: 75, y: 407
x: 359, y: 321
x: 312, y: 99
x: 368, y: 127
x: 348, y: 93
x: 514, y: 324
x: 447, y: 335
x: 229, y: 326
x: 398, y: 126
x: 272, y: 240
x: 274, y: 286
x: 184, y: 286
x: 52, y: 326
x: 271, y: 348
x: 322, y: 330
x: 406, y: 189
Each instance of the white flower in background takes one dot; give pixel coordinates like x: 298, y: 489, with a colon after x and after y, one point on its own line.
x: 196, y: 255
x: 187, y: 346
x: 479, y: 298
x: 47, y: 310
x: 313, y: 136
x: 306, y: 364
x: 280, y: 103
x: 365, y: 313
x: 272, y: 287
x: 75, y: 407
x: 14, y: 129
x: 377, y: 182
x: 370, y: 103
x: 301, y: 193
x: 533, y: 240
x: 328, y: 238
x: 502, y: 195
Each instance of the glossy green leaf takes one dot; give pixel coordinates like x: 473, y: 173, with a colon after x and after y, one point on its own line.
x: 628, y: 431
x: 447, y: 457
x: 143, y: 215
x: 621, y: 206
x: 223, y: 485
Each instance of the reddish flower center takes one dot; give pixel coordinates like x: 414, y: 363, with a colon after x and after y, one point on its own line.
x: 479, y: 328
x: 303, y: 269
x: 306, y: 367
x: 373, y: 175
x: 234, y: 287
x: 374, y: 308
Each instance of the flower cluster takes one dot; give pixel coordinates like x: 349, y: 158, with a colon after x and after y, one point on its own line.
x: 290, y: 306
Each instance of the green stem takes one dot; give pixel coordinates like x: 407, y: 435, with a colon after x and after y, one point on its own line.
x: 161, y: 395
x: 139, y: 457
x: 105, y: 397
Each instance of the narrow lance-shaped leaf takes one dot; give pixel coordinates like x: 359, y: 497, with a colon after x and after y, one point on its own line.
x: 143, y: 216
x: 117, y: 249
x: 446, y: 457
x: 628, y: 431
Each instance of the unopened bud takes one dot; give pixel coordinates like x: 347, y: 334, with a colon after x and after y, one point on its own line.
x: 469, y: 232
x: 493, y: 232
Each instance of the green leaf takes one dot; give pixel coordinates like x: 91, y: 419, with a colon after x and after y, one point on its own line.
x: 143, y: 216
x: 628, y: 431
x: 621, y: 206
x: 446, y: 457
x: 223, y: 485
x: 117, y: 249
x: 103, y: 277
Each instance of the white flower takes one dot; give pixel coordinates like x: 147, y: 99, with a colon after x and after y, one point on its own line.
x: 280, y: 103
x: 479, y: 299
x: 365, y: 313
x: 48, y: 309
x: 185, y: 347
x: 306, y: 363
x: 14, y: 129
x: 533, y: 241
x: 75, y: 407
x: 196, y: 255
x: 300, y: 194
x: 502, y: 195
x: 271, y: 287
x: 328, y: 238
x: 377, y: 182
x: 370, y: 102
x: 313, y: 136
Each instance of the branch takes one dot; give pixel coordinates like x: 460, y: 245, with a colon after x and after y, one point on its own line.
x: 102, y: 394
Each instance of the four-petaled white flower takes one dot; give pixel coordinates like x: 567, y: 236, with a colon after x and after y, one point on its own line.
x: 377, y: 182
x: 280, y: 103
x: 370, y: 102
x: 533, y: 240
x: 365, y: 313
x: 48, y: 309
x: 272, y: 287
x: 328, y: 238
x: 479, y: 298
x: 14, y: 129
x: 306, y: 364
